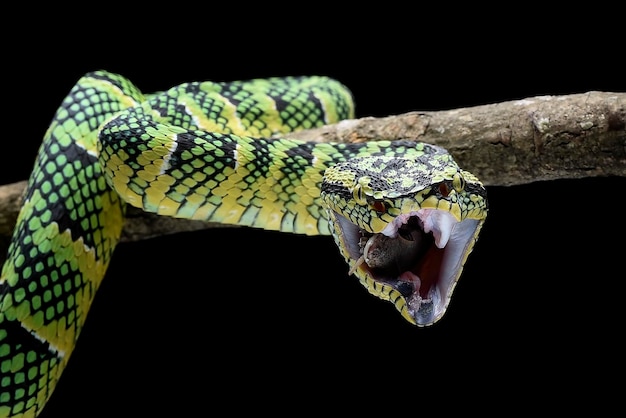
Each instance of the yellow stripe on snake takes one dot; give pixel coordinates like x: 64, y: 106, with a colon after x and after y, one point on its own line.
x: 404, y: 216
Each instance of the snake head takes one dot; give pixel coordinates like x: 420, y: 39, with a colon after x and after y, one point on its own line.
x: 405, y: 225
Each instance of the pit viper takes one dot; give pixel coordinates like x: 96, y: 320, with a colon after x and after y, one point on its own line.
x: 404, y: 215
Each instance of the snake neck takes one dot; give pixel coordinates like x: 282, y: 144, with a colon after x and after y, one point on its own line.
x: 268, y: 183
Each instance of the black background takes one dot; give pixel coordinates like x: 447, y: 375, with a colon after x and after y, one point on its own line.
x: 245, y: 318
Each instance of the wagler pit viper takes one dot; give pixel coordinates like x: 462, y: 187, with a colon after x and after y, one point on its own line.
x: 404, y: 215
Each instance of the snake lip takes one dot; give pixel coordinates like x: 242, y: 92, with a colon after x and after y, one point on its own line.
x: 427, y: 281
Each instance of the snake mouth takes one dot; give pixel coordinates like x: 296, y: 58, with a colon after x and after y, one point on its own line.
x: 419, y: 254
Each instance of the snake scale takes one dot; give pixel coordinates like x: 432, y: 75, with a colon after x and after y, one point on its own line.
x: 404, y: 215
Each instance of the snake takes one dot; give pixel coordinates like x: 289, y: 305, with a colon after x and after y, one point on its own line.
x: 404, y: 215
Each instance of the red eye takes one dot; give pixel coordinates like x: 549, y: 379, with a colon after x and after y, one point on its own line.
x: 379, y: 206
x: 444, y: 190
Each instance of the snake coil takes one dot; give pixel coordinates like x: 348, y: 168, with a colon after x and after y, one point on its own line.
x: 404, y: 216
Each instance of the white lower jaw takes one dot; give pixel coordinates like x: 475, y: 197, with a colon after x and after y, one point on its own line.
x: 423, y: 310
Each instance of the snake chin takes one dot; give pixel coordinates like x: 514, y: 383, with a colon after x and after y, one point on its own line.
x: 419, y: 254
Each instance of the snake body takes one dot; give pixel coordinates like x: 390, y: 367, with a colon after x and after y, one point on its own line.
x: 404, y: 215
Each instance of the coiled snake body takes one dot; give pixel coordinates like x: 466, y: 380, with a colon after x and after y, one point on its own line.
x: 404, y: 215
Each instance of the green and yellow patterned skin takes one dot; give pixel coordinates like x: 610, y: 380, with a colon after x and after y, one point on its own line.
x: 214, y: 151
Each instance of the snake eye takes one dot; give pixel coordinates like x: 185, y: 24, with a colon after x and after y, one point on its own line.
x: 379, y: 206
x: 458, y: 182
x: 358, y: 195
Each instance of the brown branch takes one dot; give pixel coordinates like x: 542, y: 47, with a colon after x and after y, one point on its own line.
x: 515, y: 142
x: 139, y: 225
x: 508, y: 143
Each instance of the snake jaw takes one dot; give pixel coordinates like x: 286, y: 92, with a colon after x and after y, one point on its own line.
x: 418, y: 276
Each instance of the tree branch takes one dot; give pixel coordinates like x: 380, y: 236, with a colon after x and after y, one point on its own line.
x: 508, y: 143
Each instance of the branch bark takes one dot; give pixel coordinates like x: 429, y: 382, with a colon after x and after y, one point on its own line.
x: 503, y: 144
x: 515, y: 142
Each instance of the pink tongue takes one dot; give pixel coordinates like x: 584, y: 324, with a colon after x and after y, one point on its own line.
x: 409, y: 276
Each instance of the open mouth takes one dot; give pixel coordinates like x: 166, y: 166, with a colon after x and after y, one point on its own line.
x: 420, y: 254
